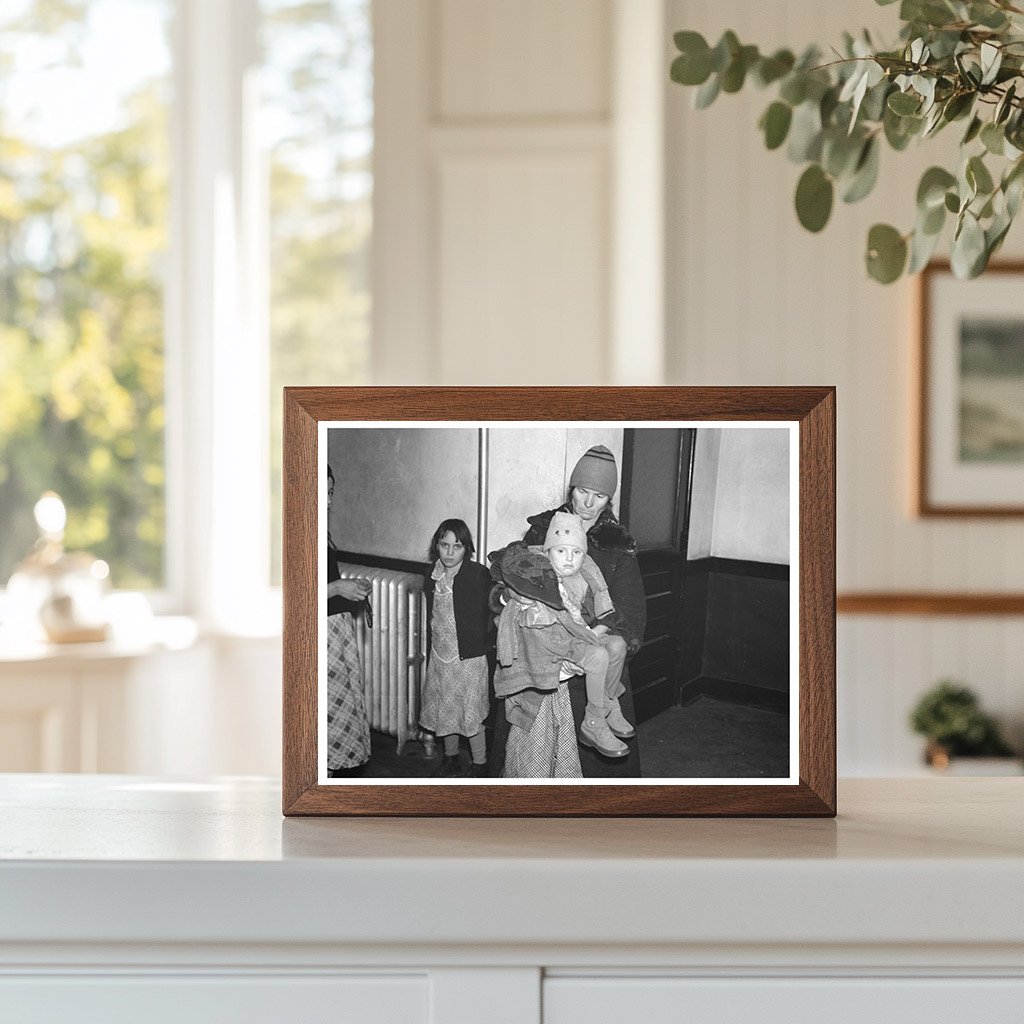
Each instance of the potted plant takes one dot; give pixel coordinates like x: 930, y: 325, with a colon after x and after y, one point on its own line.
x: 949, y: 716
x: 955, y: 62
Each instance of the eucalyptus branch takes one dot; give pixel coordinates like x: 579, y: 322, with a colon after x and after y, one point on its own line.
x: 833, y: 117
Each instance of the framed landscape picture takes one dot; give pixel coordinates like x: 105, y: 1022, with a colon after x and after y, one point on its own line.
x: 559, y: 601
x: 970, y: 451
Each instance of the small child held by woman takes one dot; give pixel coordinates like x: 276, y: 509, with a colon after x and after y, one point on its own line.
x: 554, y: 592
x: 600, y: 654
x: 455, y: 690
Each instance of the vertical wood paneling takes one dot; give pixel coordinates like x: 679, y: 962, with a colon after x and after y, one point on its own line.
x: 752, y: 298
x: 531, y: 58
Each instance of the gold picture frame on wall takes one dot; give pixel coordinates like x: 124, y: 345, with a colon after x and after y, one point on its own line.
x: 374, y: 681
x: 970, y: 385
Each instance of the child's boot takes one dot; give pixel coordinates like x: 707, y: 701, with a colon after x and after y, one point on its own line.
x: 594, y: 732
x: 617, y: 721
x: 450, y: 765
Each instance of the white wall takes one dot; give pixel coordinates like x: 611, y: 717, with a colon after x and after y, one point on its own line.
x: 708, y: 445
x: 739, y: 506
x: 393, y: 487
x: 422, y: 476
x: 752, y: 501
x: 754, y: 299
x: 529, y: 472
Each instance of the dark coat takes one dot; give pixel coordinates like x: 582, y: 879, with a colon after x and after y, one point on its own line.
x: 614, y: 551
x: 470, y: 591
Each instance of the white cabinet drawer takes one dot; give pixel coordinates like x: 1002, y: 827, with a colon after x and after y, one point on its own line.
x: 202, y: 999
x: 660, y: 1000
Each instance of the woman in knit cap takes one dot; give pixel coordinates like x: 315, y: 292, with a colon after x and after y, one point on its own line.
x: 592, y: 486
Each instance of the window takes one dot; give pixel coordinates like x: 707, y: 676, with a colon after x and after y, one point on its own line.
x: 317, y: 118
x: 185, y: 221
x: 83, y: 236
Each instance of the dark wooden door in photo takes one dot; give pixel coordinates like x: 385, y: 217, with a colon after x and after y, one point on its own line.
x: 656, y: 475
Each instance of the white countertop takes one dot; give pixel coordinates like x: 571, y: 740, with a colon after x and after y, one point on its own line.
x: 123, y: 859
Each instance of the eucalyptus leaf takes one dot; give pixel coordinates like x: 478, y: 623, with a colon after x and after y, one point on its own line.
x: 865, y: 174
x: 857, y: 78
x: 903, y: 103
x: 886, y: 253
x: 771, y: 69
x: 993, y: 138
x: 995, y: 233
x: 693, y: 66
x: 1013, y: 191
x: 931, y: 12
x: 1004, y: 106
x: 932, y: 221
x: 931, y: 190
x: 735, y: 74
x: 873, y: 106
x: 922, y: 248
x: 805, y: 133
x: 925, y: 88
x: 775, y: 123
x: 794, y: 88
x: 958, y: 105
x: 973, y: 129
x: 968, y: 247
x: 840, y: 152
x: 978, y: 176
x: 814, y: 195
x: 987, y: 15
x: 1013, y: 187
x: 707, y: 93
x: 933, y: 122
x: 991, y: 60
x: 944, y: 44
x: 827, y: 106
x: 900, y: 130
x: 724, y: 51
x: 952, y: 202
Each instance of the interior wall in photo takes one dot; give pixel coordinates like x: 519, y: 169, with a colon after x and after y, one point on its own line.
x: 736, y: 585
x: 393, y: 486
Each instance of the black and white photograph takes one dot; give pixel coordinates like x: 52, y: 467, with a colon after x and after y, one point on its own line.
x: 581, y: 602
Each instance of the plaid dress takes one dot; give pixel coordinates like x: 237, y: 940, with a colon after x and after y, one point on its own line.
x: 548, y: 750
x: 348, y: 728
x: 455, y: 698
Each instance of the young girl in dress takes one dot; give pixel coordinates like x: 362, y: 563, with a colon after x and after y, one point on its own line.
x: 455, y: 690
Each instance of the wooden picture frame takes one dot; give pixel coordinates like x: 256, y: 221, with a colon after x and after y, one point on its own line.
x: 806, y: 415
x: 969, y: 447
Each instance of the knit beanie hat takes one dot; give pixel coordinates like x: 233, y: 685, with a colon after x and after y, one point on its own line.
x: 596, y: 471
x: 566, y: 529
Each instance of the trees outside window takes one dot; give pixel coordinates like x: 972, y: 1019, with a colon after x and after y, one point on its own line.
x: 98, y: 161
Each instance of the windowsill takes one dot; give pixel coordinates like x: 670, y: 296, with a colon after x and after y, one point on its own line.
x: 160, y: 633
